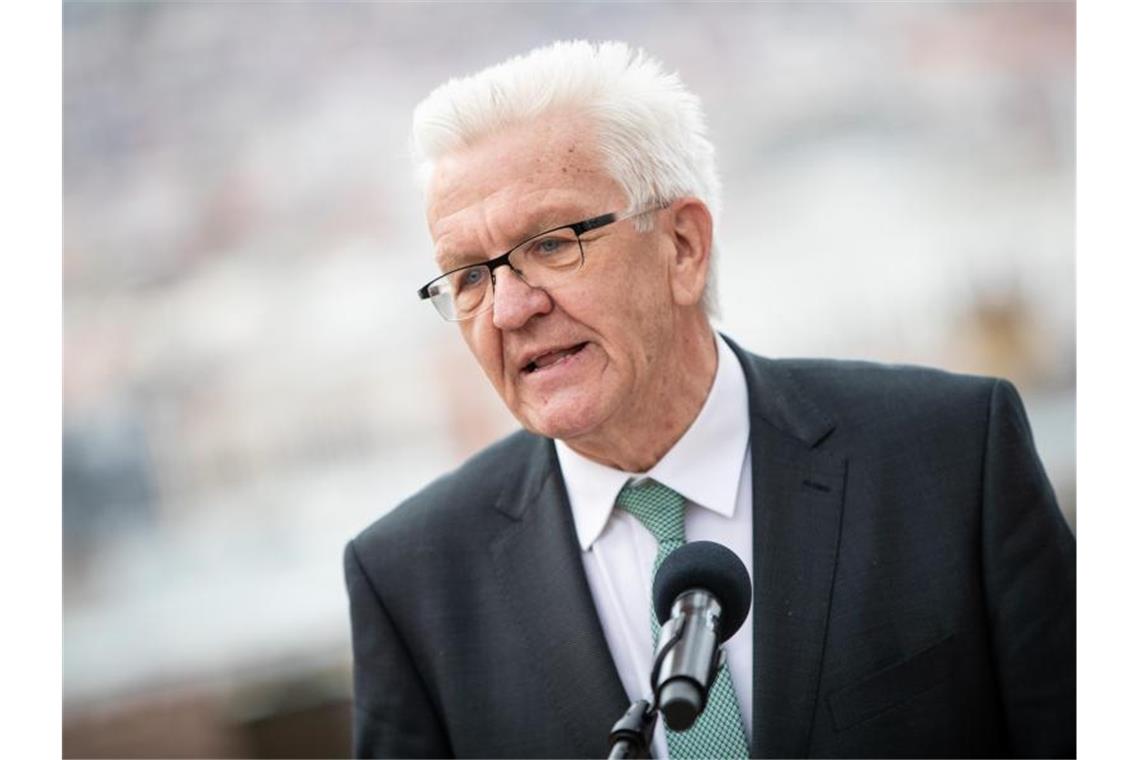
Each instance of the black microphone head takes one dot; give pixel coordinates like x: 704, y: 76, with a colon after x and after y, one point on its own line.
x: 712, y: 567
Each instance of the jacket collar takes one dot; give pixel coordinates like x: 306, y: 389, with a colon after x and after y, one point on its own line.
x: 775, y: 397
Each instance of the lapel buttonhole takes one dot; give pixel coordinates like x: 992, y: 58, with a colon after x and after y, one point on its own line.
x: 817, y: 486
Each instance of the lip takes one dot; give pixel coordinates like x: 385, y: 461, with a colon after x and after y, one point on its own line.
x: 530, y: 356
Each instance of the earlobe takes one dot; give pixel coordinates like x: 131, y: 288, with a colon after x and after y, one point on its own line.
x: 692, y: 244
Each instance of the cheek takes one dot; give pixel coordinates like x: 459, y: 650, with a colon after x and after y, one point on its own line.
x: 483, y: 341
x: 647, y: 332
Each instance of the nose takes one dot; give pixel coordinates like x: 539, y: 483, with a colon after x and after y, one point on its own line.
x: 515, y: 301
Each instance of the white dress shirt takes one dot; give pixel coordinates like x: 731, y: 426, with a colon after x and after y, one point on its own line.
x: 711, y: 467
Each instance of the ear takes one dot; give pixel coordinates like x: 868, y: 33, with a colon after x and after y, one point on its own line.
x: 691, y: 236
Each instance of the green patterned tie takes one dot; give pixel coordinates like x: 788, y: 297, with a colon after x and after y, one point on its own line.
x: 719, y: 731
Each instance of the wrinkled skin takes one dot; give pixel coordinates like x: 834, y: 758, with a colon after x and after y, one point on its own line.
x: 648, y: 357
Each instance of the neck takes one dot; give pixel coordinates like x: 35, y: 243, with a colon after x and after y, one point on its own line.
x: 645, y: 434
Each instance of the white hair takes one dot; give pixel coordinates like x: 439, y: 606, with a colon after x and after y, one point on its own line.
x: 650, y: 129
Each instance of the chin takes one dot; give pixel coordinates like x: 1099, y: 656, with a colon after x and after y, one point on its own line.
x: 562, y: 421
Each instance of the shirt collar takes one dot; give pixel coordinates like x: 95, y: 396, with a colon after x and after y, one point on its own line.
x: 703, y: 466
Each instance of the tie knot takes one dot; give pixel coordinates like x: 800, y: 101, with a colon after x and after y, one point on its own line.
x: 659, y: 508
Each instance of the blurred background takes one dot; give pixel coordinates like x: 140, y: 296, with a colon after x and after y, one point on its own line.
x: 249, y: 379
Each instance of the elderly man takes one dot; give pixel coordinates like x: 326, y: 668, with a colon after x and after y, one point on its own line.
x: 913, y: 579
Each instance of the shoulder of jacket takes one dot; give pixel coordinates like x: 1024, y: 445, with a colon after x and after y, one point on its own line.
x: 869, y: 396
x: 458, y: 497
x: 855, y: 377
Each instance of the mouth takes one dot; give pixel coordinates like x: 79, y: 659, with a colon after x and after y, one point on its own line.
x: 551, y: 358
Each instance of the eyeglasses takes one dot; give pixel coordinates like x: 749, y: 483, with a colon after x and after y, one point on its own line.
x: 542, y: 261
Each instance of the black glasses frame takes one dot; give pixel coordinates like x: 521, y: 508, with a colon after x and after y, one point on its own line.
x: 578, y: 228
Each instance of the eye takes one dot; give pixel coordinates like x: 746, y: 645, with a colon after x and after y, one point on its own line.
x: 470, y: 278
x: 549, y: 245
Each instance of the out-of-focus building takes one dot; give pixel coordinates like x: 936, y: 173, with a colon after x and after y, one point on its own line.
x: 249, y: 379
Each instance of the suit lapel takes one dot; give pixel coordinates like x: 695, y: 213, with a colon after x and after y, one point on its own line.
x: 540, y: 569
x: 797, y: 493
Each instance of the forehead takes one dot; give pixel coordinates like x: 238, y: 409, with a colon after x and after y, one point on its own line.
x: 511, y: 184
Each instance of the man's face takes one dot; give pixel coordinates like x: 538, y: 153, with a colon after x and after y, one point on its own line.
x: 591, y: 356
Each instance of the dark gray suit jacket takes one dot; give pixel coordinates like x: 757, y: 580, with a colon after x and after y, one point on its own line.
x: 914, y: 586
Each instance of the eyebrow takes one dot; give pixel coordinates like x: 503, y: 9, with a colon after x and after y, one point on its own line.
x: 452, y: 261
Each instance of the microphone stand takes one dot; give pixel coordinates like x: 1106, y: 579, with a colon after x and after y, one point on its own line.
x: 632, y: 733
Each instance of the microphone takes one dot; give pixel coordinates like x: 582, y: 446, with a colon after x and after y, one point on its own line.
x: 701, y: 595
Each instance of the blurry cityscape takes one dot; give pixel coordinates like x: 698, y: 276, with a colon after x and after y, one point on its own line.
x: 249, y: 379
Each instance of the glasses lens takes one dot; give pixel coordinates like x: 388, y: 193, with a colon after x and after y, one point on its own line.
x: 548, y: 259
x: 461, y: 294
x: 541, y: 262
